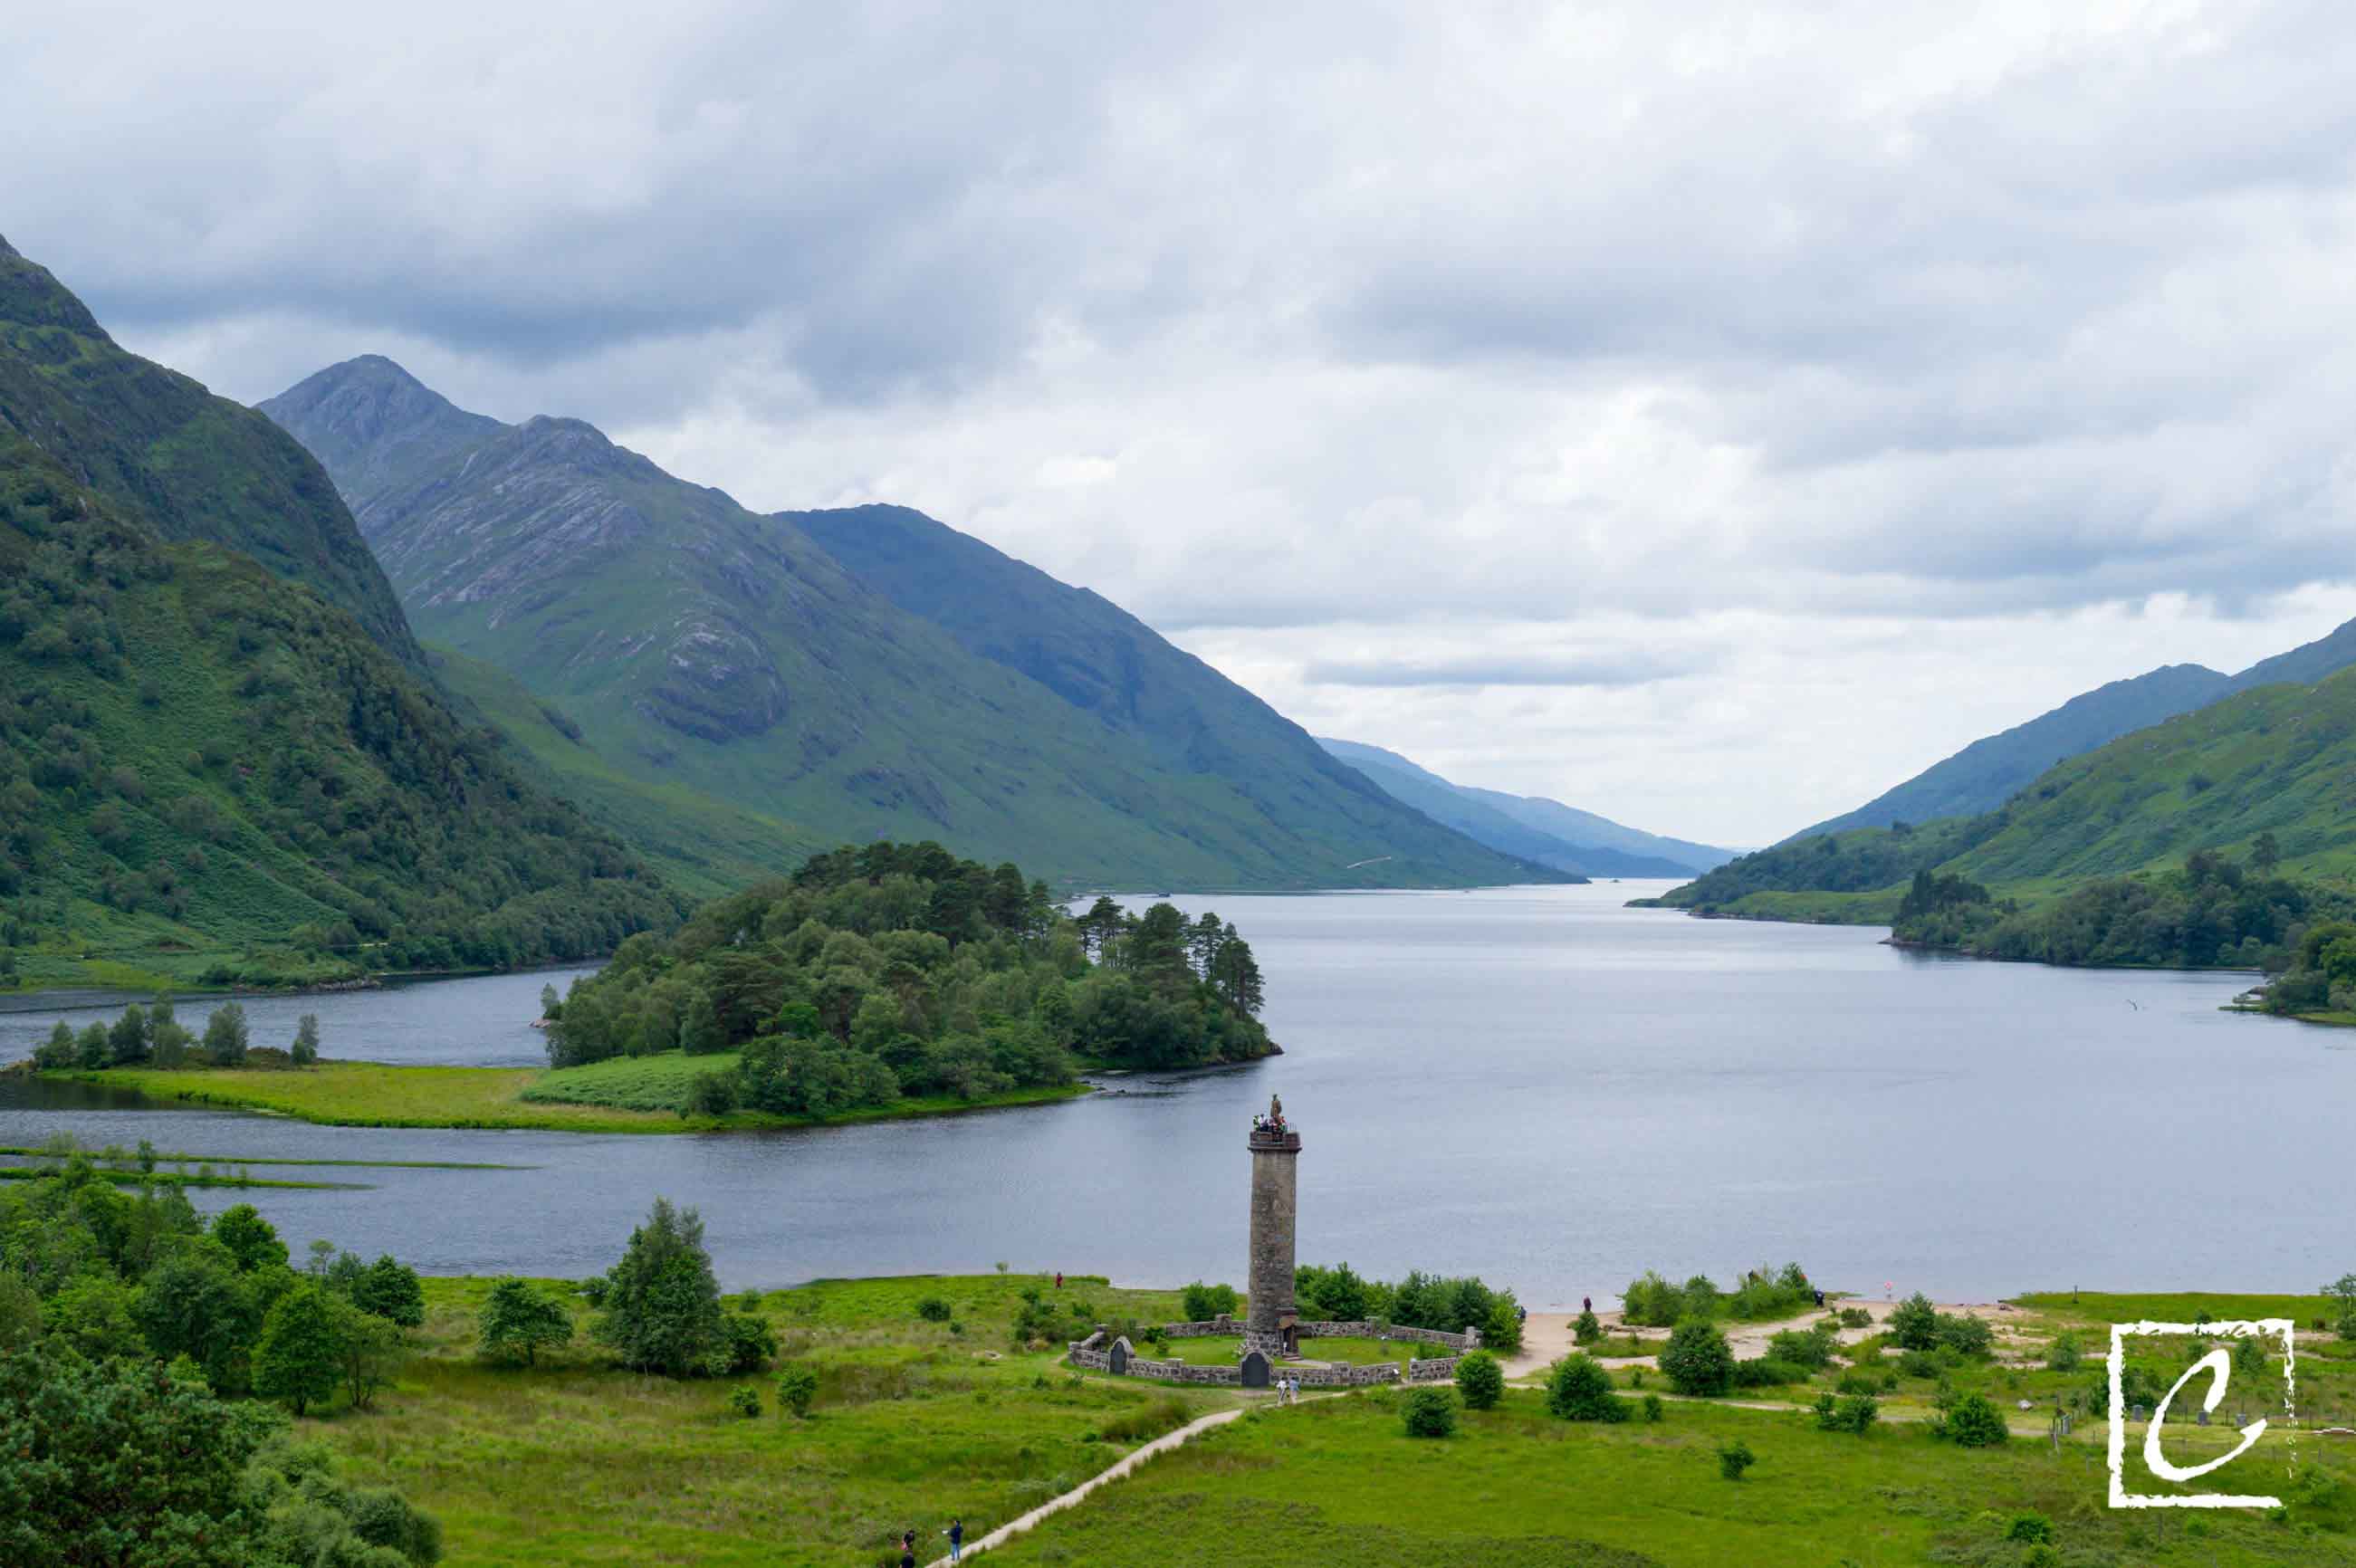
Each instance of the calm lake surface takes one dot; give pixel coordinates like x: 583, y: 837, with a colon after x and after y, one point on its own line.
x: 1534, y: 1084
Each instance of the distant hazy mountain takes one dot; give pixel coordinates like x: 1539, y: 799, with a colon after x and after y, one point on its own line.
x: 1533, y: 827
x: 1987, y: 773
x: 933, y: 688
x: 212, y: 741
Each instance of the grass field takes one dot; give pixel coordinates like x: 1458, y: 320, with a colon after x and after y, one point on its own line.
x: 375, y: 1094
x: 577, y: 1462
x: 1337, y: 1480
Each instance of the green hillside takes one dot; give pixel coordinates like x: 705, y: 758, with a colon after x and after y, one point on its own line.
x: 1986, y: 774
x: 2215, y: 835
x: 168, y: 455
x: 698, y: 647
x: 212, y: 773
x: 701, y: 846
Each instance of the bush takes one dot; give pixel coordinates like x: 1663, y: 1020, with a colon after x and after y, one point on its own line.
x: 1204, y: 1302
x: 1653, y: 1302
x: 1767, y: 1372
x: 1919, y: 1364
x: 713, y: 1094
x: 2063, y: 1355
x: 1806, y: 1348
x: 1966, y: 1335
x: 1914, y: 1326
x: 1581, y: 1390
x: 752, y: 1343
x: 1971, y: 1422
x: 1652, y: 1407
x: 797, y: 1391
x: 1696, y: 1360
x: 1860, y: 1382
x: 2031, y: 1529
x: 390, y: 1290
x: 1481, y: 1381
x: 1735, y: 1459
x: 1855, y: 1414
x: 745, y: 1401
x: 1429, y: 1413
x: 933, y: 1309
x: 1856, y: 1318
x: 1587, y: 1330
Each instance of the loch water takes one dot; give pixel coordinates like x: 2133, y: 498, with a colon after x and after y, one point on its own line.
x: 1535, y: 1084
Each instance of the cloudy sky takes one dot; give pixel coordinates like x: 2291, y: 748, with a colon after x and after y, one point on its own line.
x: 1707, y: 414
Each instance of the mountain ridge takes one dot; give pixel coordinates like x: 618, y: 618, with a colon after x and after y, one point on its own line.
x: 695, y: 642
x: 1555, y: 834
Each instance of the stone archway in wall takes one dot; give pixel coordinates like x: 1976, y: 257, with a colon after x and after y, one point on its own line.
x: 1256, y: 1369
x: 1116, y: 1359
x: 1292, y: 1337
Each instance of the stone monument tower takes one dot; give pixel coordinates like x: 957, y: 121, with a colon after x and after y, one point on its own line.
x: 1272, y: 1321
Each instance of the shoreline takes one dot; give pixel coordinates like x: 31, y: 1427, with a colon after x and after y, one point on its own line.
x: 480, y: 1099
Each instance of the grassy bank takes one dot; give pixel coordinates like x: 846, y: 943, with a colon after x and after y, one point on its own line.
x: 376, y: 1094
x: 577, y: 1462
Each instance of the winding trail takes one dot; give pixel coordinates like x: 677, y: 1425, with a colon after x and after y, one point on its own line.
x: 1161, y: 1445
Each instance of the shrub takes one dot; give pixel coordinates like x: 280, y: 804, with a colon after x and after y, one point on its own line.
x: 797, y: 1391
x: 1971, y: 1422
x: 1587, y: 1330
x: 1204, y: 1302
x: 1481, y: 1381
x: 1652, y: 1407
x: 390, y: 1289
x: 752, y: 1343
x: 1581, y: 1390
x: 713, y: 1094
x: 1696, y: 1360
x: 1855, y: 1414
x: 1735, y: 1459
x: 933, y: 1309
x: 1856, y: 1318
x: 1914, y: 1326
x: 1767, y: 1372
x: 2031, y: 1529
x: 1429, y: 1413
x: 1859, y: 1383
x: 1918, y: 1364
x: 2063, y: 1355
x: 1653, y: 1302
x: 1804, y: 1348
x: 1966, y: 1335
x: 745, y: 1401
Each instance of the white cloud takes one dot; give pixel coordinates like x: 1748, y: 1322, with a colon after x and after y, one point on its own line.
x: 1800, y: 390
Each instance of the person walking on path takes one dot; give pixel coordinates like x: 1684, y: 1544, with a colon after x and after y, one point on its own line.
x: 956, y: 1533
x: 1059, y: 1279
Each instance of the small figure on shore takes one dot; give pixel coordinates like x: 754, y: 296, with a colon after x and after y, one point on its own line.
x: 1587, y: 1304
x: 1059, y: 1283
x: 1820, y: 1301
x: 956, y: 1533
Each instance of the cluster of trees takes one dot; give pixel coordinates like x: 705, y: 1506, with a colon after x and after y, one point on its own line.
x: 1419, y: 1300
x: 2212, y: 911
x: 1653, y: 1302
x: 131, y: 1333
x: 155, y: 1037
x: 251, y: 736
x: 2318, y: 972
x: 899, y: 969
